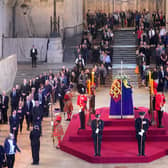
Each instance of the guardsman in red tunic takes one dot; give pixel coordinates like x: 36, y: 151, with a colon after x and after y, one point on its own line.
x: 82, y: 103
x: 159, y: 107
x: 58, y: 130
x: 68, y: 107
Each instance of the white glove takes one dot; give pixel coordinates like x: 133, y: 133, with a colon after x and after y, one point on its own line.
x: 163, y: 108
x: 97, y: 130
x: 52, y: 123
x: 140, y: 133
x: 143, y: 122
x: 80, y: 110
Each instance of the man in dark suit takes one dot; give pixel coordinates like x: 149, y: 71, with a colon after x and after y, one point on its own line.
x: 14, y: 124
x: 33, y: 55
x: 4, y: 106
x: 97, y: 126
x: 141, y: 126
x: 14, y: 99
x: 24, y: 90
x: 28, y: 106
x: 2, y: 156
x: 35, y: 144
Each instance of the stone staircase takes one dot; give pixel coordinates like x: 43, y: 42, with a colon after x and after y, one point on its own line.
x: 124, y: 49
x: 70, y: 44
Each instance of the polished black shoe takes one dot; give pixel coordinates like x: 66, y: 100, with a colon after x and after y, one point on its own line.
x: 35, y: 163
x: 81, y: 128
x: 143, y: 155
x: 95, y: 154
x: 138, y: 154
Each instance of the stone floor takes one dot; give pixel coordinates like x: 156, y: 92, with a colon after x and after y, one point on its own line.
x: 50, y: 157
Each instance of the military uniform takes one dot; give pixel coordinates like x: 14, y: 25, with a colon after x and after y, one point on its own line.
x: 141, y: 126
x: 159, y: 104
x: 82, y: 103
x: 97, y: 132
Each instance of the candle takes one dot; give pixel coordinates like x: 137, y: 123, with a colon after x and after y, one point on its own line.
x: 89, y: 91
x: 149, y: 82
x: 151, y: 87
x: 93, y: 78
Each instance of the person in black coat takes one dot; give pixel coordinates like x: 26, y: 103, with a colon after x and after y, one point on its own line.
x: 4, y: 106
x: 24, y: 90
x: 14, y: 124
x: 20, y: 113
x: 35, y: 144
x: 33, y: 55
x: 2, y: 156
x: 97, y: 126
x: 28, y: 106
x: 161, y: 74
x: 14, y: 99
x: 141, y: 126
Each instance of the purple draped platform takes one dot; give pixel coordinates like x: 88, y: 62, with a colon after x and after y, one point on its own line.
x: 127, y: 103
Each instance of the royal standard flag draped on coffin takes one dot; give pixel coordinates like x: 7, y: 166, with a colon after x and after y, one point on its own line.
x: 121, y: 93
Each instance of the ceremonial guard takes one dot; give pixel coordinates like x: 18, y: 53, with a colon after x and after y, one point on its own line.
x: 97, y: 126
x: 68, y: 107
x: 141, y: 126
x: 159, y: 106
x: 82, y: 103
x: 57, y: 130
x: 35, y: 144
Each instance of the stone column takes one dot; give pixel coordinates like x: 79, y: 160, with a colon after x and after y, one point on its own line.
x: 73, y: 16
x: 166, y: 15
x: 1, y: 28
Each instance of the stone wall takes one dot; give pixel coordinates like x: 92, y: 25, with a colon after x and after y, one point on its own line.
x: 73, y: 16
x: 36, y: 22
x: 5, y: 21
x: 117, y: 5
x: 21, y: 47
x: 8, y: 72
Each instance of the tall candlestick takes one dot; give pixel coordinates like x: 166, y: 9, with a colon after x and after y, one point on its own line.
x: 89, y: 91
x: 93, y: 78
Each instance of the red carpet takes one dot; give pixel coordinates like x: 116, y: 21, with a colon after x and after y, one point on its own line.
x: 119, y: 144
